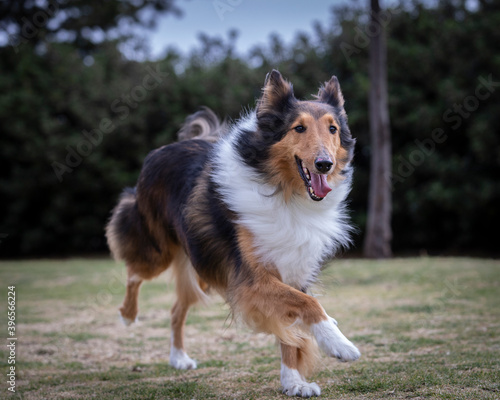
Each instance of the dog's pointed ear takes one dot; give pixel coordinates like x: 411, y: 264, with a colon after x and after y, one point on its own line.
x: 277, y: 94
x: 330, y: 93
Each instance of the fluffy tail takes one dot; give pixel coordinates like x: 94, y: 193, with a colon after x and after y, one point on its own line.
x: 127, y: 237
x: 204, y: 125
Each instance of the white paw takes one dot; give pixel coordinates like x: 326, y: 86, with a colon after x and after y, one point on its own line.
x: 126, y: 321
x: 295, y: 385
x: 333, y: 342
x: 180, y: 360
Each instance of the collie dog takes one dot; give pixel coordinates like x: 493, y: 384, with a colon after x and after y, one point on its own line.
x: 253, y: 215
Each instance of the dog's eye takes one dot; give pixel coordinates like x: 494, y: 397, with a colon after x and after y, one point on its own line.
x: 300, y: 128
x: 333, y: 129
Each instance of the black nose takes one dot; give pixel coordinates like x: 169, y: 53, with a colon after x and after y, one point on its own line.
x: 323, y: 164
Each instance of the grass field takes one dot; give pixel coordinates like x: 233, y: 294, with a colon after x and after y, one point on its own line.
x: 427, y: 329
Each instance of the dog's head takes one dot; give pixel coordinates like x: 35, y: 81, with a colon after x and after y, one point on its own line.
x: 309, y: 141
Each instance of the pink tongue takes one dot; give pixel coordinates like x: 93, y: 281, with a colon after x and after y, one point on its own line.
x: 319, y: 184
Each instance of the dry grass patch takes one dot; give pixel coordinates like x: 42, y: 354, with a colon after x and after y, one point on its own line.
x: 427, y: 328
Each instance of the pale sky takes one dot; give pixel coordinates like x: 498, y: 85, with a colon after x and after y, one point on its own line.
x: 254, y: 19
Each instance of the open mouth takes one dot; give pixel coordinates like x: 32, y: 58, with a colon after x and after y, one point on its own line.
x: 316, y: 184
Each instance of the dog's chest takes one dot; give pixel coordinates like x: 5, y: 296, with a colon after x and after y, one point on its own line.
x: 293, y: 238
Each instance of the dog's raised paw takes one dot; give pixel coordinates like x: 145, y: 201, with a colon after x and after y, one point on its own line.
x: 180, y: 360
x: 333, y: 342
x: 346, y: 351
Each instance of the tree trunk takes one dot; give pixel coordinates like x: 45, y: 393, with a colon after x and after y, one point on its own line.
x: 378, y: 230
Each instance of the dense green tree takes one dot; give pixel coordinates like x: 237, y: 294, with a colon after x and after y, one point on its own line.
x: 439, y: 58
x: 446, y: 147
x: 83, y: 23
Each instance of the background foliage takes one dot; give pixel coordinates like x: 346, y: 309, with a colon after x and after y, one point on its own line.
x: 55, y: 87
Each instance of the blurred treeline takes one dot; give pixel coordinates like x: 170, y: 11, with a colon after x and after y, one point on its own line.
x: 446, y: 191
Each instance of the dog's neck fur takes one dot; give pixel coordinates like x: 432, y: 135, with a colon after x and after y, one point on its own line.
x: 295, y: 236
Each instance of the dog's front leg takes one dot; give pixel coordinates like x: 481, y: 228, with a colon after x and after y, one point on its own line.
x: 269, y: 305
x: 292, y: 378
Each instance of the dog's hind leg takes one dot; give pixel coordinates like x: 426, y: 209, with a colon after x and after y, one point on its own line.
x: 129, y: 308
x: 178, y: 357
x: 136, y: 274
x: 188, y: 292
x: 130, y: 240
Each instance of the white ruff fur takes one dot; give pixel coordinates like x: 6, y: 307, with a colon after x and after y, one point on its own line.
x: 294, y: 236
